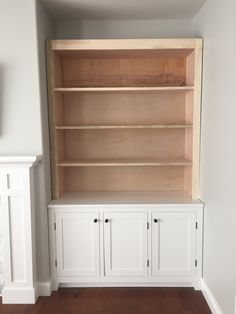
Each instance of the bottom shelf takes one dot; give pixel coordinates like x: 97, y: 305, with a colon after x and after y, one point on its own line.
x: 123, y: 198
x: 119, y: 178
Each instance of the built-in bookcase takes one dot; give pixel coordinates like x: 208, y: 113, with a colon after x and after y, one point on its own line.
x: 125, y: 115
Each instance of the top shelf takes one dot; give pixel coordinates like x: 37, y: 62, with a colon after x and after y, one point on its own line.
x: 121, y: 89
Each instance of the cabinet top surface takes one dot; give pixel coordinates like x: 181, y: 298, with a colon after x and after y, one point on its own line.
x: 124, y: 198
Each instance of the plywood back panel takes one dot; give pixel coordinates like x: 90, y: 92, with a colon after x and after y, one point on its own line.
x: 138, y: 143
x: 135, y: 63
x: 135, y: 71
x: 125, y: 108
x: 124, y: 178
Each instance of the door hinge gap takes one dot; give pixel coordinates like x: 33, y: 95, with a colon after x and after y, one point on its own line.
x: 148, y: 263
x: 147, y: 225
x: 195, y: 263
x: 55, y: 263
x: 196, y: 225
x: 55, y: 226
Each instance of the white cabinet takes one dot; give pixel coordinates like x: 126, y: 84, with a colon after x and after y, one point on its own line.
x: 125, y: 244
x: 173, y: 244
x: 77, y: 244
x: 136, y: 245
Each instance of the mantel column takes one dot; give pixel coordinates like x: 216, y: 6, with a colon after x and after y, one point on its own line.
x: 18, y: 219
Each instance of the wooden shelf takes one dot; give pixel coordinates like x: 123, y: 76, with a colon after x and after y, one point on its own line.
x: 121, y: 89
x: 101, y: 127
x: 143, y: 96
x: 125, y: 163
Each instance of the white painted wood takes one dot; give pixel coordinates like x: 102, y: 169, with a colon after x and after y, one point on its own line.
x: 199, y: 248
x: 1, y: 251
x: 52, y: 248
x: 156, y: 198
x: 124, y: 283
x: 125, y: 240
x: 128, y: 281
x: 211, y: 301
x: 44, y: 289
x: 117, y: 268
x: 18, y: 217
x: 173, y: 244
x: 19, y: 160
x: 77, y: 244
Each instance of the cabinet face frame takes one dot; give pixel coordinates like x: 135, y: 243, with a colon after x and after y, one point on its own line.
x: 193, y: 97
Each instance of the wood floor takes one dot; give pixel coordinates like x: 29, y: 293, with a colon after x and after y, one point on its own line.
x: 116, y: 301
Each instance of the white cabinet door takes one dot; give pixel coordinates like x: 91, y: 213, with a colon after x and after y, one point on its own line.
x: 77, y: 244
x: 173, y: 244
x: 125, y: 240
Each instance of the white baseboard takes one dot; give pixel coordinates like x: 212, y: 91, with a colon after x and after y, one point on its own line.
x: 24, y: 295
x: 211, y: 301
x: 19, y: 295
x: 44, y: 289
x: 122, y: 285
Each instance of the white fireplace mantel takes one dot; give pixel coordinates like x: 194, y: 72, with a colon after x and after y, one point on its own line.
x: 18, y: 223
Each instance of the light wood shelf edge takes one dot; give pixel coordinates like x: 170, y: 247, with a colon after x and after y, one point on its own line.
x: 124, y: 44
x: 197, y: 120
x: 127, y: 163
x: 121, y: 89
x: 95, y: 127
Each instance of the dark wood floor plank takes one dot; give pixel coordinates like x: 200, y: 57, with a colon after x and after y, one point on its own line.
x: 116, y: 301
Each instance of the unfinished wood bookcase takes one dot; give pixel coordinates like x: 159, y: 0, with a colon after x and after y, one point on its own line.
x: 125, y: 115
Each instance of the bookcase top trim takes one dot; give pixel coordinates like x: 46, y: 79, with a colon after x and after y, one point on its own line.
x: 126, y: 44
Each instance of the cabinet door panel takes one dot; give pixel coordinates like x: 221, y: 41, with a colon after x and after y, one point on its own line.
x: 125, y: 237
x: 173, y: 244
x: 77, y: 244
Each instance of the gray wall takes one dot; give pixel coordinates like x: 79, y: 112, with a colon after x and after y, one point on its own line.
x: 23, y: 105
x: 124, y: 29
x: 216, y: 22
x: 20, y: 117
x: 45, y: 30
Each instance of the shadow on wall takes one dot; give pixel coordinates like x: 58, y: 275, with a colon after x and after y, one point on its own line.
x: 1, y: 98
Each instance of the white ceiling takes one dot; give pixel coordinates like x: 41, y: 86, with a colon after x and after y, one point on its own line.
x: 123, y: 9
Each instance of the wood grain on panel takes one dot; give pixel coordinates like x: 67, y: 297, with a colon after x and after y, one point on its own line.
x: 128, y: 126
x: 125, y: 115
x: 188, y: 181
x: 196, y: 116
x: 61, y: 181
x: 115, y: 72
x: 123, y: 89
x: 125, y: 44
x: 124, y: 108
x: 124, y: 178
x: 124, y: 162
x: 60, y: 143
x: 59, y: 109
x: 115, y: 144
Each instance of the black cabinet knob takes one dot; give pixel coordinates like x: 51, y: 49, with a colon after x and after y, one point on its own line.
x: 95, y: 220
x: 155, y: 220
x: 106, y: 221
